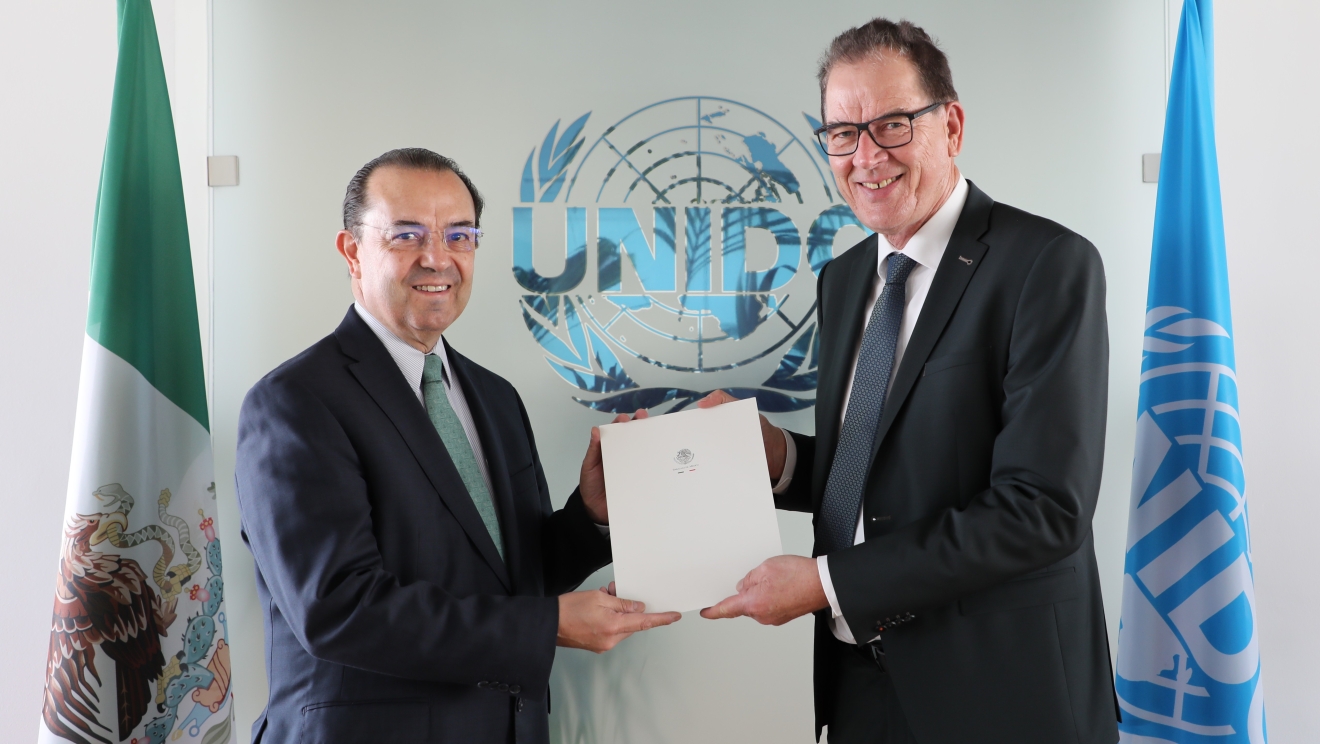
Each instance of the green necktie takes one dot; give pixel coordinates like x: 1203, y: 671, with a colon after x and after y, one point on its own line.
x: 456, y: 442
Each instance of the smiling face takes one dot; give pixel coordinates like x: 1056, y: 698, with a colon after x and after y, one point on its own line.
x: 893, y: 191
x: 416, y: 293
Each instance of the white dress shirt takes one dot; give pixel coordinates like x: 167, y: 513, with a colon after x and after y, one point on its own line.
x: 926, y: 247
x: 411, y: 363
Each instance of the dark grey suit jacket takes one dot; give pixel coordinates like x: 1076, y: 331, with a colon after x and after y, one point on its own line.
x: 389, y: 616
x: 984, y: 478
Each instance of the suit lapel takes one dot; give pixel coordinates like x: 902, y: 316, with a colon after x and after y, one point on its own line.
x: 841, y: 330
x: 378, y: 374
x: 962, y: 257
x: 478, y: 401
x: 845, y: 329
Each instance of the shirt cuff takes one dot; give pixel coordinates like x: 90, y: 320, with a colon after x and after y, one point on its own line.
x: 790, y: 464
x: 824, y: 567
x: 604, y: 529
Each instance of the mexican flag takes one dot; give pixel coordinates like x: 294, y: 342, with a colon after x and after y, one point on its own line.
x: 138, y: 646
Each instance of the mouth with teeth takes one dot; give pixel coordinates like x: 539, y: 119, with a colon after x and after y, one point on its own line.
x: 877, y: 185
x: 431, y: 288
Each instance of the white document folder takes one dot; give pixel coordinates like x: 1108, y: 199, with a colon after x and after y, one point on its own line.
x: 690, y: 505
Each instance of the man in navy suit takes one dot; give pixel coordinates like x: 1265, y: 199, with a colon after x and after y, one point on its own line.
x: 414, y: 578
x: 960, y: 432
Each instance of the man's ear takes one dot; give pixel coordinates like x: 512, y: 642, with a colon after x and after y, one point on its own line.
x: 347, y: 245
x: 957, y: 117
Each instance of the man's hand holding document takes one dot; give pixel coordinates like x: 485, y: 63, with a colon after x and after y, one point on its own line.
x: 691, y: 512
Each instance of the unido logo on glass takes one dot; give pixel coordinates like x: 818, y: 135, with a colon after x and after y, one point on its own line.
x: 675, y: 252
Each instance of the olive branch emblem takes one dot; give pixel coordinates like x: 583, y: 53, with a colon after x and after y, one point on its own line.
x: 577, y: 352
x: 552, y: 165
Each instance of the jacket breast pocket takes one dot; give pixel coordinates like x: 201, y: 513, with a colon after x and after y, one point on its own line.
x: 365, y: 722
x: 523, y: 480
x: 1059, y: 585
x: 951, y: 361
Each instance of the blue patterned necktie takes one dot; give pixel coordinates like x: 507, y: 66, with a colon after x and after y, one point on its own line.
x: 456, y: 443
x: 866, y: 404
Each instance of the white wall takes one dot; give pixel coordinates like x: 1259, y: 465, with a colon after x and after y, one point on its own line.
x: 1267, y: 70
x: 54, y: 107
x: 302, y: 85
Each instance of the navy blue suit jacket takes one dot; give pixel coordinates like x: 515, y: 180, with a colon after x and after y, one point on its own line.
x: 389, y: 615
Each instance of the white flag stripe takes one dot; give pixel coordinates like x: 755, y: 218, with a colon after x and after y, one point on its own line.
x: 1162, y: 346
x: 1194, y: 547
x: 113, y: 399
x: 1210, y: 441
x: 1177, y: 369
x: 1161, y: 506
x: 1152, y: 446
x: 1194, y: 327
x: 1219, y: 407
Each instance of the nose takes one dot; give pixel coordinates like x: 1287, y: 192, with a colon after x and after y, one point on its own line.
x: 868, y: 154
x: 436, y: 256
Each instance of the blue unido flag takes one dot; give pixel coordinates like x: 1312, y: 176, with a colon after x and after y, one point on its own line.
x: 1188, y: 648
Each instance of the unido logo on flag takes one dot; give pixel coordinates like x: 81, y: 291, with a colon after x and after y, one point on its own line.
x: 717, y: 296
x: 1188, y: 654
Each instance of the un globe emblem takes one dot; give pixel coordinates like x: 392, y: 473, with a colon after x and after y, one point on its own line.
x: 698, y: 276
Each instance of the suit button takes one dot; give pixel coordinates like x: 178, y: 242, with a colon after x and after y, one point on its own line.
x: 515, y: 689
x: 483, y: 684
x: 504, y: 687
x: 519, y: 707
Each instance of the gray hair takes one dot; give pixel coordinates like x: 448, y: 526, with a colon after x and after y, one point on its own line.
x: 419, y: 158
x: 905, y: 38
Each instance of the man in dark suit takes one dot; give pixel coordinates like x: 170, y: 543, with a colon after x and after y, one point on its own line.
x: 414, y: 578
x: 960, y: 425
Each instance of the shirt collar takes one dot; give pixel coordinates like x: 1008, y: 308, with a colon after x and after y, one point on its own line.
x: 411, y: 361
x: 927, y: 246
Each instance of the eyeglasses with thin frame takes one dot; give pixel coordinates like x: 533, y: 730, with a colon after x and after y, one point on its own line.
x: 457, y: 238
x: 887, y: 132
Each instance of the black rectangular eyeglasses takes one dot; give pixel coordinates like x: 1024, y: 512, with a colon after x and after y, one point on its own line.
x: 887, y: 132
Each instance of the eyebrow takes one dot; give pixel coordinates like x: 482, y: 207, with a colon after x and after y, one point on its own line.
x: 894, y: 112
x: 416, y: 223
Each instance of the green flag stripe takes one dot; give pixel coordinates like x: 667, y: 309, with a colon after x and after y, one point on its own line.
x: 143, y: 305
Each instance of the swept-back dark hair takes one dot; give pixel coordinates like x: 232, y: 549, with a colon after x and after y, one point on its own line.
x: 905, y: 38
x: 419, y: 158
